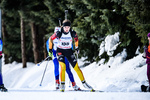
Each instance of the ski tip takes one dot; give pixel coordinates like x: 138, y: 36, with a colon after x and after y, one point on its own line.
x: 96, y: 90
x: 40, y: 85
x: 92, y: 90
x: 38, y: 64
x: 62, y: 90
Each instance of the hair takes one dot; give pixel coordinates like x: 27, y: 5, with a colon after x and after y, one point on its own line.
x: 66, y: 20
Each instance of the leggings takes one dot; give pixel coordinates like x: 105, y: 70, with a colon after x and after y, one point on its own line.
x: 56, y: 69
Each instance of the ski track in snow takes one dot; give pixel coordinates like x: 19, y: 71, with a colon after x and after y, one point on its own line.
x: 29, y: 94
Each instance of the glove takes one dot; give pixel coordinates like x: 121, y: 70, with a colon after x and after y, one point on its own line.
x: 77, y: 50
x: 144, y: 48
x: 50, y: 53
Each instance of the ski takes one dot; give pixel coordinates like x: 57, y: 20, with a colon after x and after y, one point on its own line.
x: 37, y: 90
x: 81, y: 90
x: 31, y: 90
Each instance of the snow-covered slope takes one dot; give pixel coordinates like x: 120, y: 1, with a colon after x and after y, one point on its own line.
x: 123, y: 79
x: 126, y: 76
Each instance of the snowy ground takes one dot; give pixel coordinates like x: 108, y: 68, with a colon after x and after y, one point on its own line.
x: 120, y: 81
x: 73, y: 96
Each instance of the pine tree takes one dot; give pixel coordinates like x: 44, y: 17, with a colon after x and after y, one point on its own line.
x: 33, y: 12
x: 10, y: 19
x: 102, y: 18
x: 81, y: 25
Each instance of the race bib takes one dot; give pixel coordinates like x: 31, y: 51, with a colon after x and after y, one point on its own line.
x: 65, y: 42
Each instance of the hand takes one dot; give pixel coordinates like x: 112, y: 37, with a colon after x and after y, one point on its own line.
x: 50, y: 53
x: 77, y: 50
x: 144, y: 48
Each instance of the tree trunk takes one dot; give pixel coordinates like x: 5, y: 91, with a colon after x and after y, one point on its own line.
x: 23, y: 43
x: 44, y: 48
x: 34, y: 43
x: 4, y: 35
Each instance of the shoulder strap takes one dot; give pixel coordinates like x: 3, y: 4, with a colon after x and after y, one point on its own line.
x: 59, y: 33
x: 73, y: 33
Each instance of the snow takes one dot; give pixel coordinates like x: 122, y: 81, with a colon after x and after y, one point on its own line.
x: 110, y: 44
x: 119, y: 79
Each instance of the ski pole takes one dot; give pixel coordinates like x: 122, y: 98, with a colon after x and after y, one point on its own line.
x: 77, y: 56
x: 42, y: 61
x: 69, y: 83
x: 44, y: 73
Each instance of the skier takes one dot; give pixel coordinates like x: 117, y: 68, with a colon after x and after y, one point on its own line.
x: 64, y: 49
x: 147, y: 50
x: 56, y: 64
x: 2, y: 88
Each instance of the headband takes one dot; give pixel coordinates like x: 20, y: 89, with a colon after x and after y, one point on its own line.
x: 66, y: 24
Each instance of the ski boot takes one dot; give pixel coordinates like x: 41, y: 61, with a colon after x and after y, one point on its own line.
x: 62, y: 87
x: 57, y: 84
x: 87, y: 86
x: 75, y: 87
x: 145, y: 88
x: 2, y: 88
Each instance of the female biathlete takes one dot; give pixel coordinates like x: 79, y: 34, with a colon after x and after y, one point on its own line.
x: 56, y: 64
x: 64, y: 49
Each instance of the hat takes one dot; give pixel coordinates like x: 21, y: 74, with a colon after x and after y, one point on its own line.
x: 67, y: 24
x: 148, y: 35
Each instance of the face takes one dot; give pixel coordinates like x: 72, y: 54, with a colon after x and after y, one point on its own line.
x: 149, y: 39
x: 66, y: 28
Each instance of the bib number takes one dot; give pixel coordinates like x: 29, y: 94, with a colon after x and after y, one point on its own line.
x: 65, y: 43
